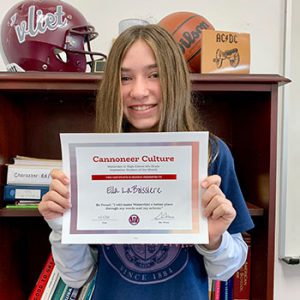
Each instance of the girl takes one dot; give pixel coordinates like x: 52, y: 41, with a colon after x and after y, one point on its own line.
x: 146, y: 87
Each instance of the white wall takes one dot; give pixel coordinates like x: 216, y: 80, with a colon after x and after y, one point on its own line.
x: 287, y: 278
x: 264, y: 20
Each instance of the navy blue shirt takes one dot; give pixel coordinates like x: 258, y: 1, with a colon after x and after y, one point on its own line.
x: 167, y: 272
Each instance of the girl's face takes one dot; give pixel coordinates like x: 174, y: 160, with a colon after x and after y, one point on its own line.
x: 140, y: 88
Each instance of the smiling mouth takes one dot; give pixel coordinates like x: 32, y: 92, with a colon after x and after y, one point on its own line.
x: 142, y: 107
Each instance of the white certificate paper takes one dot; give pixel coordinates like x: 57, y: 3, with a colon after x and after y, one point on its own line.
x: 134, y: 188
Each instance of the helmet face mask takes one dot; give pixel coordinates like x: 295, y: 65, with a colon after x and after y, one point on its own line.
x: 47, y: 35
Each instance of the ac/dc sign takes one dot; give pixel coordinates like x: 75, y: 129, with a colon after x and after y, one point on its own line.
x: 225, y: 52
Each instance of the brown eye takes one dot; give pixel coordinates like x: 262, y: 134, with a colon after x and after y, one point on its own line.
x: 154, y: 75
x: 125, y: 78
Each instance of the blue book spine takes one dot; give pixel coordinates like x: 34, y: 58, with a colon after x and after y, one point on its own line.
x: 24, y: 192
x: 227, y: 289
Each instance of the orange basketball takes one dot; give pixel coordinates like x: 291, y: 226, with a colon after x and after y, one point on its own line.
x: 186, y: 28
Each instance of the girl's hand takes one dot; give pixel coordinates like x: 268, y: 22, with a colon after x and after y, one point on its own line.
x: 217, y: 209
x: 55, y: 202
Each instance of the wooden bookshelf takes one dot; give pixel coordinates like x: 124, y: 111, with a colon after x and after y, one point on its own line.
x: 35, y: 107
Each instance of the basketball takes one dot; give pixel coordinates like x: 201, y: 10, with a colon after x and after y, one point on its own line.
x: 186, y: 28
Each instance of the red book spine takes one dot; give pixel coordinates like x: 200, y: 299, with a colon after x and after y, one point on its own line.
x: 217, y: 290
x: 41, y: 283
x: 241, y: 279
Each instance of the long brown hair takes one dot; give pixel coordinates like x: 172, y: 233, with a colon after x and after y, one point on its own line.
x: 178, y: 112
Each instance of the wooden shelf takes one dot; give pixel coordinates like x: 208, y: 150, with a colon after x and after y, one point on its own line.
x: 33, y: 212
x: 89, y: 82
x: 35, y: 107
x: 254, y: 210
x: 19, y: 212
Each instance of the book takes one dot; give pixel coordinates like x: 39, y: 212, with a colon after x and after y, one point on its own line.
x: 241, y: 279
x: 24, y: 192
x: 88, y: 289
x: 23, y: 206
x: 26, y: 160
x: 71, y: 294
x: 51, y: 284
x: 226, y: 289
x: 214, y: 288
x: 40, y: 285
x: 211, y: 288
x: 64, y: 292
x: 28, y: 175
x: 60, y: 290
x: 56, y: 289
x: 217, y: 290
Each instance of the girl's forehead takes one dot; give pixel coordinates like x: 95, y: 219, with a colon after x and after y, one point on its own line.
x: 139, y: 46
x: 138, y: 53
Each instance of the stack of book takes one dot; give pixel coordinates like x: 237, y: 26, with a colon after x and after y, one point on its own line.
x: 238, y: 286
x: 27, y: 181
x: 50, y: 286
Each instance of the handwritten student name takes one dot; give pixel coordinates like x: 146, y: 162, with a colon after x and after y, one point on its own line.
x: 144, y: 158
x: 135, y: 189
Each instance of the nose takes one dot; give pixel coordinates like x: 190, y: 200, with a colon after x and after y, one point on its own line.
x: 139, y: 88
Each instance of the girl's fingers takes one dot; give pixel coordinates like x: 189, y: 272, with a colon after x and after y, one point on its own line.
x: 212, y: 191
x: 211, y: 180
x: 57, y: 200
x: 219, y: 207
x: 59, y: 175
x: 57, y: 186
x: 55, y: 197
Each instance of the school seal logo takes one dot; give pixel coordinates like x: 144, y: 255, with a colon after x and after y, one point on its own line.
x: 146, y: 264
x: 134, y: 219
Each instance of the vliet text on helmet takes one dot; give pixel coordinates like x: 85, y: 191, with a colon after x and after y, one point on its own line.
x: 49, y: 21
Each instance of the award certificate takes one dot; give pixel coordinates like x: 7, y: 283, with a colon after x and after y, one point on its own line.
x: 133, y: 188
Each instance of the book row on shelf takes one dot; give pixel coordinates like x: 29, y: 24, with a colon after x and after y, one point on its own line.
x: 27, y: 181
x: 50, y: 286
x: 238, y: 286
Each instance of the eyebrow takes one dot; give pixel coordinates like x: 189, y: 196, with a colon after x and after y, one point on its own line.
x: 149, y: 67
